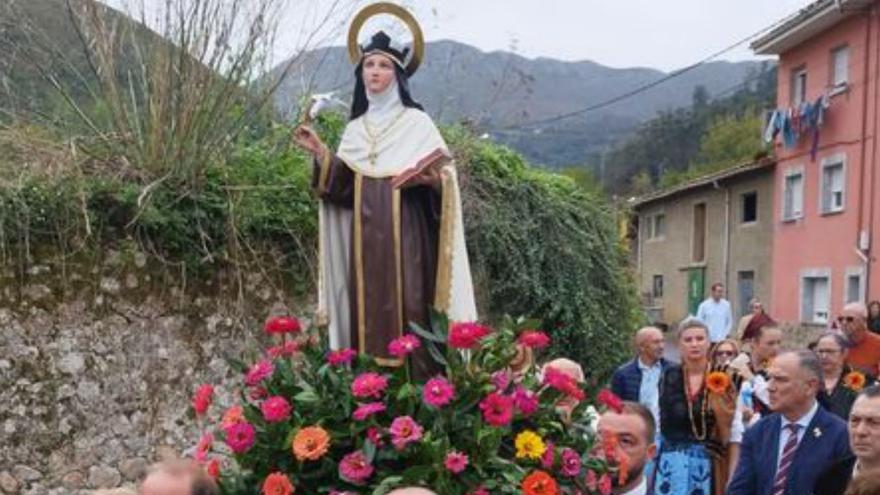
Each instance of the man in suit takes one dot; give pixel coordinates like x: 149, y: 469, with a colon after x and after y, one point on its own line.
x: 785, y: 452
x: 633, y: 426
x: 639, y: 380
x: 864, y: 440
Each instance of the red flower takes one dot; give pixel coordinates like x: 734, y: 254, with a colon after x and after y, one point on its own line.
x: 497, y: 409
x: 340, y: 357
x: 539, y: 483
x: 374, y: 435
x: 283, y: 324
x: 526, y: 400
x: 369, y: 384
x: 275, y: 409
x: 610, y: 400
x: 213, y: 469
x: 549, y: 456
x: 203, y: 398
x: 563, y: 383
x: 605, y: 484
x: 402, y: 346
x: 535, y: 339
x: 466, y: 335
x: 287, y: 349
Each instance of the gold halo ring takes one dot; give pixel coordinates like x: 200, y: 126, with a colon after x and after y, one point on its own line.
x: 418, y: 50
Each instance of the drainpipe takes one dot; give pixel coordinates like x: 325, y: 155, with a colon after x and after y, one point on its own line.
x: 872, y: 17
x: 725, y: 248
x: 863, y: 148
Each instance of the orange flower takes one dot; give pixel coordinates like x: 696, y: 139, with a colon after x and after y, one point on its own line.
x: 277, y: 484
x: 233, y: 416
x: 539, y: 483
x: 855, y: 380
x: 311, y: 443
x: 717, y: 382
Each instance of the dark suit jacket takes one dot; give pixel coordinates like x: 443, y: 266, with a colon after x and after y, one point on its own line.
x: 627, y: 379
x: 824, y: 443
x: 836, y: 478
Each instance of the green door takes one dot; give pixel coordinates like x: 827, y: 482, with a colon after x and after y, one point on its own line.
x: 696, y: 288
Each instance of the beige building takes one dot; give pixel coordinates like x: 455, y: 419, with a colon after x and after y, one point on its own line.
x: 718, y: 228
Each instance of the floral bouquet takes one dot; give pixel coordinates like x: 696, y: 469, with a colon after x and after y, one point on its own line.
x: 309, y: 420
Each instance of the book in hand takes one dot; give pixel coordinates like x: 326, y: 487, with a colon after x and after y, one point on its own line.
x: 435, y: 159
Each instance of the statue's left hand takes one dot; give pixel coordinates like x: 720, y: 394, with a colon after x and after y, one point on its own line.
x: 429, y: 177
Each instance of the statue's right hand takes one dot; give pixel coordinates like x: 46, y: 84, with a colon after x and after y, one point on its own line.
x: 306, y: 138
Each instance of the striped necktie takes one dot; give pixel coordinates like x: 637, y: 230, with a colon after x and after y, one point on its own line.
x: 786, y: 459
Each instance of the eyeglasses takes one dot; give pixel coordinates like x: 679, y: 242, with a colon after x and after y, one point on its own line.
x: 827, y: 352
x: 847, y: 319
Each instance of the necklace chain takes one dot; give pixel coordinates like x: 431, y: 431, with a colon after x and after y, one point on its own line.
x: 690, y: 406
x: 373, y: 137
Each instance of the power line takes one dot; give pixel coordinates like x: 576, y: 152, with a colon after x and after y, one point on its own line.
x: 645, y: 87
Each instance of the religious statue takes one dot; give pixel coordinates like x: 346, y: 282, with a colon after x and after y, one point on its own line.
x: 391, y: 234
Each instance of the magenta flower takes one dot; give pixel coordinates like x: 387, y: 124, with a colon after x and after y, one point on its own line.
x: 535, y: 339
x: 260, y: 371
x: 404, y: 431
x: 501, y: 380
x: 526, y: 401
x: 287, y: 349
x: 548, y: 457
x: 455, y: 462
x: 466, y: 335
x: 275, y: 409
x: 571, y: 463
x: 341, y: 357
x: 240, y: 437
x: 497, y: 409
x: 374, y: 435
x: 438, y: 392
x: 364, y: 411
x: 369, y: 384
x: 402, y: 346
x: 282, y: 324
x: 355, y: 468
x: 204, y: 446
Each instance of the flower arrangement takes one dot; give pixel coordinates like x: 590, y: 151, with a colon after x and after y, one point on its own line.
x: 311, y: 421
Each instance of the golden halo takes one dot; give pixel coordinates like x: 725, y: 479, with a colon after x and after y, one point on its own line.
x: 418, y: 49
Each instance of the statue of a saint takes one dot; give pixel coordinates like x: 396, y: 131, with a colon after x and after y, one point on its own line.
x: 389, y: 251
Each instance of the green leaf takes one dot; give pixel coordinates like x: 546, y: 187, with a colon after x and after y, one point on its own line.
x: 421, y: 332
x: 387, y: 485
x: 307, y: 396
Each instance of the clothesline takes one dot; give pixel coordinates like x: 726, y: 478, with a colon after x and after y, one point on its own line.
x: 794, y: 123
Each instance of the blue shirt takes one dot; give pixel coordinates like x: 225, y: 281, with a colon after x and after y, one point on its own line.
x: 716, y: 316
x: 803, y: 422
x: 649, y: 391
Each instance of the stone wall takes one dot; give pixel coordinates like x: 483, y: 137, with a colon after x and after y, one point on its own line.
x: 98, y: 361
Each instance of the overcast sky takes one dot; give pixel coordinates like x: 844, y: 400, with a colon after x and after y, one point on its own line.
x: 619, y: 33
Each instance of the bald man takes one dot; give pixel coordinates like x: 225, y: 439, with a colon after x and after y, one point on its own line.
x: 864, y: 353
x: 639, y: 380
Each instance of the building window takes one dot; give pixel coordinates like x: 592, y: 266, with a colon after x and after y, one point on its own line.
x: 745, y: 290
x: 798, y: 85
x: 749, y: 207
x: 793, y: 196
x: 832, y: 187
x: 655, y: 226
x: 855, y: 289
x: 698, y: 250
x: 839, y: 67
x: 657, y: 287
x: 815, y: 299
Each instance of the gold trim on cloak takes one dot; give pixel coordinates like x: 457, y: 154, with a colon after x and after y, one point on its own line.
x: 443, y: 286
x: 325, y: 173
x: 398, y: 264
x: 359, y: 261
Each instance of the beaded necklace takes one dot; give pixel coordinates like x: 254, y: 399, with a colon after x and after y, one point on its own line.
x: 373, y: 137
x: 690, y: 406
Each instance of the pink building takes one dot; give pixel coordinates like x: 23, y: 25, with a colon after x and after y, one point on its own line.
x: 827, y: 203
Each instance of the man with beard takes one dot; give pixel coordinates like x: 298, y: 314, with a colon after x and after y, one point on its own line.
x: 634, y: 428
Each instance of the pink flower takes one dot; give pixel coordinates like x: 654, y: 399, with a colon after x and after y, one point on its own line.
x: 341, y: 357
x: 438, y: 392
x: 203, y: 447
x: 548, y: 457
x: 591, y: 481
x: 258, y: 393
x: 605, y: 484
x: 260, y: 371
x: 563, y: 383
x: 535, y: 339
x: 366, y: 410
x: 571, y: 463
x: 402, y: 346
x: 497, y: 409
x: 275, y: 409
x: 480, y: 491
x: 374, y: 435
x: 282, y: 324
x: 501, y: 380
x: 240, y: 437
x: 610, y: 400
x: 466, y: 335
x: 404, y: 431
x: 526, y: 401
x: 202, y: 399
x: 456, y: 462
x: 369, y: 384
x: 355, y: 468
x: 285, y: 350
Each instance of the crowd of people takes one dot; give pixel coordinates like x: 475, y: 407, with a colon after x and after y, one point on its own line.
x: 741, y: 416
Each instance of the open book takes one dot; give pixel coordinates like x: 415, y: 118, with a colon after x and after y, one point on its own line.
x: 435, y: 159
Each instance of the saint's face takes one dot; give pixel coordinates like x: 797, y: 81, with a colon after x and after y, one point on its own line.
x: 378, y: 73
